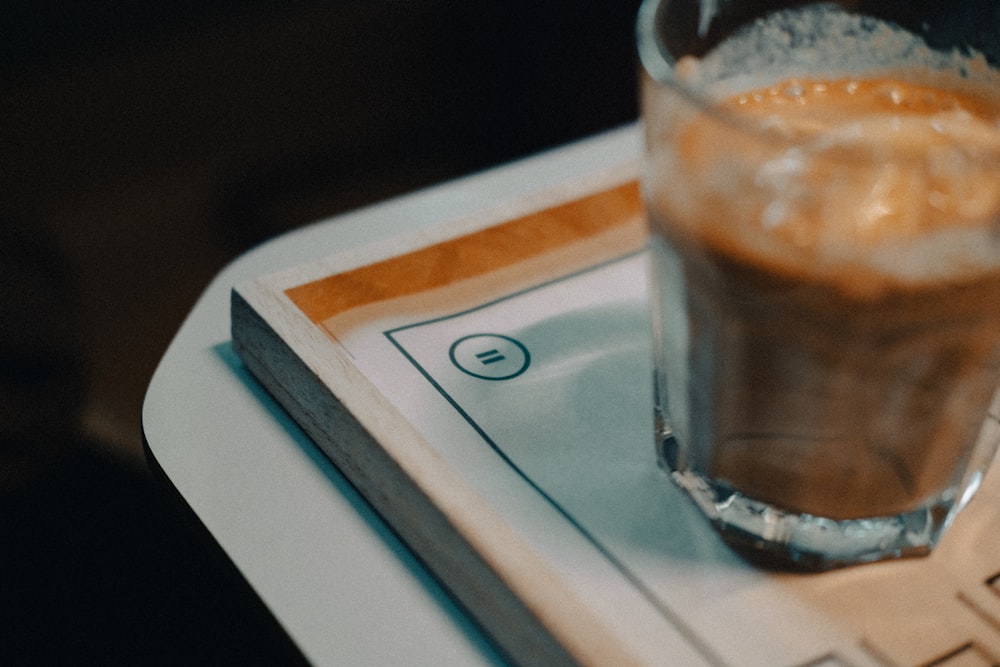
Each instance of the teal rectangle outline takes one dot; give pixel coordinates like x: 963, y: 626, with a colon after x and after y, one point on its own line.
x: 702, y: 647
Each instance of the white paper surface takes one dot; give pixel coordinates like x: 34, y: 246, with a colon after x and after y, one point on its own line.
x: 542, y: 400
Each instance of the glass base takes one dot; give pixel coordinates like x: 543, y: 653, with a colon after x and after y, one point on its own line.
x: 776, y: 538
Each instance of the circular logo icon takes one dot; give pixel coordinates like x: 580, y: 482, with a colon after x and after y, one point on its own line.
x: 490, y: 356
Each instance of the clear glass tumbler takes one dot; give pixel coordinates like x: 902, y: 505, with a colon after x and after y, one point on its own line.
x: 823, y: 188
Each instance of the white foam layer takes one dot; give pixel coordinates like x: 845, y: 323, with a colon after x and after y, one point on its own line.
x: 820, y: 40
x: 899, y: 196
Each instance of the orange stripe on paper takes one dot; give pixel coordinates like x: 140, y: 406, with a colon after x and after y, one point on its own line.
x: 468, y: 256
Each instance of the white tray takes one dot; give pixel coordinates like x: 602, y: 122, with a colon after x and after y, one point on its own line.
x: 486, y: 386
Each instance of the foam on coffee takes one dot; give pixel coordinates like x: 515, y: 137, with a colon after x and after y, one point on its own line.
x: 906, y: 153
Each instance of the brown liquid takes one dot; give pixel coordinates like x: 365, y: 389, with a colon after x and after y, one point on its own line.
x: 844, y: 316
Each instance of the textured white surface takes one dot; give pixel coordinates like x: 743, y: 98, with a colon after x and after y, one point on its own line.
x: 339, y: 581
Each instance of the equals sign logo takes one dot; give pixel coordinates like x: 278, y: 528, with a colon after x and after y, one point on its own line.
x: 490, y: 357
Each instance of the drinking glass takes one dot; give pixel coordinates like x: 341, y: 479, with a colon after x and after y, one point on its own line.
x: 822, y: 182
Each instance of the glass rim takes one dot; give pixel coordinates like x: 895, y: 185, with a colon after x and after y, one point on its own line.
x: 659, y: 66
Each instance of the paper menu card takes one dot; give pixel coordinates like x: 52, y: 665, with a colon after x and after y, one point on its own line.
x: 486, y: 385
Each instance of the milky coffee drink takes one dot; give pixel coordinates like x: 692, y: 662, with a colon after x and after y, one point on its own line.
x: 826, y: 253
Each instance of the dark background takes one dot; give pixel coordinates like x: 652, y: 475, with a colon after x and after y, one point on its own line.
x: 144, y: 145
x: 153, y: 143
